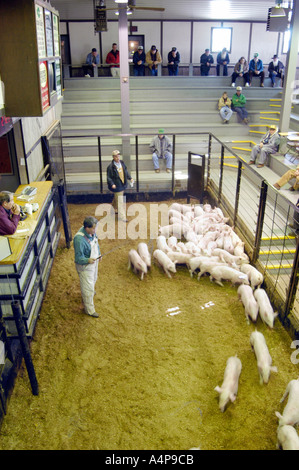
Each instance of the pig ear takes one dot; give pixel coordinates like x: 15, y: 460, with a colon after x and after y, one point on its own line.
x: 232, y: 397
x: 218, y: 389
x: 274, y: 369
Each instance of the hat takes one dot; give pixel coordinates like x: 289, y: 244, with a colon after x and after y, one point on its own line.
x: 207, y: 50
x: 161, y: 131
x: 173, y: 49
x: 255, y: 54
x: 140, y: 48
x: 275, y: 56
x: 153, y: 48
x: 115, y: 152
x: 239, y: 88
x: 93, y: 49
x: 272, y: 126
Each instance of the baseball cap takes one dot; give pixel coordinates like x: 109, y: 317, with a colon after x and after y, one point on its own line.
x: 255, y: 54
x: 272, y: 126
x: 275, y: 56
x: 161, y: 131
x: 115, y: 152
x: 140, y: 47
x: 173, y: 49
x: 93, y: 49
x: 153, y: 48
x: 239, y: 88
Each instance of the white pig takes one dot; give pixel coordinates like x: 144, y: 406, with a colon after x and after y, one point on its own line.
x: 264, y: 360
x: 255, y: 277
x: 180, y: 258
x: 144, y: 254
x: 207, y: 266
x: 265, y: 308
x: 287, y: 438
x: 228, y: 257
x: 172, y: 243
x: 229, y: 388
x: 137, y: 263
x: 228, y: 274
x: 290, y: 413
x: 245, y: 294
x: 165, y: 262
x: 162, y: 244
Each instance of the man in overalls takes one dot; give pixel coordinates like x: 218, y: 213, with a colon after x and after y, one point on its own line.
x: 87, y: 255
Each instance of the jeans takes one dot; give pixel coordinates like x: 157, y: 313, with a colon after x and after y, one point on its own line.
x: 273, y: 76
x: 241, y: 112
x: 168, y: 158
x: 224, y: 70
x: 226, y: 113
x: 172, y: 71
x: 245, y: 76
x: 139, y: 71
x: 154, y: 72
x: 261, y: 75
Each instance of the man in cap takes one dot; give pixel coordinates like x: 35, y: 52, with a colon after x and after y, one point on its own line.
x: 113, y: 60
x: 206, y: 60
x: 222, y: 59
x: 138, y: 61
x: 173, y: 61
x: 92, y: 61
x: 161, y: 147
x: 117, y: 180
x: 153, y: 59
x: 256, y: 68
x: 275, y: 69
x: 269, y: 144
x: 238, y: 105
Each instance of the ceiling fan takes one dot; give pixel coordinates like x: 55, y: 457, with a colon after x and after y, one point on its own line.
x: 129, y: 5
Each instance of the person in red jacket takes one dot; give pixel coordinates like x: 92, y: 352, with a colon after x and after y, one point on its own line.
x: 113, y: 60
x: 9, y: 213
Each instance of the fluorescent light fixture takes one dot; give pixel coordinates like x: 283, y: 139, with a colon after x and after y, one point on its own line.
x: 277, y: 12
x: 129, y: 12
x: 121, y: 1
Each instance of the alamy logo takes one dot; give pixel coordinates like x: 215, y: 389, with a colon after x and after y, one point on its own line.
x: 2, y: 352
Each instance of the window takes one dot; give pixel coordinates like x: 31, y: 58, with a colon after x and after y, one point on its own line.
x: 286, y: 41
x: 221, y: 37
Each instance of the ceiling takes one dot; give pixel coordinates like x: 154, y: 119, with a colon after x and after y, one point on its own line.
x: 244, y: 10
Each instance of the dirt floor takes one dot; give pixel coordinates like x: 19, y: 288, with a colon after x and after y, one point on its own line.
x: 138, y: 378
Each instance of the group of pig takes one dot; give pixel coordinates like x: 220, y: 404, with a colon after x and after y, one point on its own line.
x: 200, y: 238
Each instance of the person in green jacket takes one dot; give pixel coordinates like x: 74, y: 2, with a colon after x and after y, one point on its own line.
x: 238, y: 105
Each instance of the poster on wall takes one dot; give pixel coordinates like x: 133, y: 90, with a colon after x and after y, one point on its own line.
x: 56, y: 34
x: 44, y: 85
x: 49, y: 33
x: 40, y: 31
x: 58, y: 78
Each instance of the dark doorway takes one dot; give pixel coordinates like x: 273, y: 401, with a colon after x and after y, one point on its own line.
x: 135, y: 41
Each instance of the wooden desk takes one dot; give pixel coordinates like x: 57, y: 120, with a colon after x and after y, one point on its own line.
x: 24, y: 274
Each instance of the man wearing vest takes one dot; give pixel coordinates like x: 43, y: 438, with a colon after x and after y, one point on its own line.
x: 117, y: 179
x: 87, y: 255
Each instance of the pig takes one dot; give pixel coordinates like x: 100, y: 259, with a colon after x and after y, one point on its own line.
x: 195, y: 262
x: 137, y: 263
x: 162, y: 244
x: 207, y: 266
x: 255, y: 277
x: 227, y: 273
x: 191, y: 236
x: 264, y: 360
x: 198, y: 211
x: 172, y: 243
x: 184, y: 208
x: 245, y: 294
x: 287, y: 438
x: 229, y: 388
x: 265, y: 308
x: 290, y: 413
x: 176, y: 229
x: 228, y: 257
x: 180, y: 258
x: 166, y: 263
x: 228, y: 244
x: 144, y: 254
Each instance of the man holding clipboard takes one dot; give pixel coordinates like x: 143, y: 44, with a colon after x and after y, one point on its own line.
x: 87, y: 255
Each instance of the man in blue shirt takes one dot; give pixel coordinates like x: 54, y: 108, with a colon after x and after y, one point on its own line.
x: 92, y: 61
x: 87, y: 255
x: 256, y: 68
x: 138, y: 61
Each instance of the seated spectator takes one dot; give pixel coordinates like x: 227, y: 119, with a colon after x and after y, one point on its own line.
x: 138, y: 61
x: 289, y: 175
x: 153, y: 59
x: 256, y: 68
x: 174, y: 59
x: 92, y: 61
x: 238, y: 105
x: 275, y: 69
x: 9, y: 213
x: 268, y: 144
x: 241, y: 70
x: 224, y: 106
x: 222, y: 59
x: 206, y: 60
x: 113, y: 60
x: 161, y: 147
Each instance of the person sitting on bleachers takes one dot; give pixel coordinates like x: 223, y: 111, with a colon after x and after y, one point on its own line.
x: 241, y: 70
x: 161, y: 147
x: 224, y: 106
x: 92, y: 61
x: 275, y: 69
x: 138, y: 61
x: 9, y: 213
x: 286, y: 177
x: 222, y: 59
x: 256, y: 68
x: 238, y: 105
x: 268, y: 144
x: 206, y: 60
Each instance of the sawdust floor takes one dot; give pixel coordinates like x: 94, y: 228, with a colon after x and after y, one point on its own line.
x: 137, y: 378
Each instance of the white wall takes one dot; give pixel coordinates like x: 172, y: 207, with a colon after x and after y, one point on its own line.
x: 240, y: 40
x: 152, y: 33
x: 82, y: 40
x: 264, y: 42
x: 177, y: 34
x: 202, y: 39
